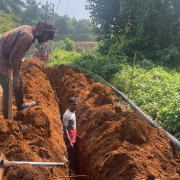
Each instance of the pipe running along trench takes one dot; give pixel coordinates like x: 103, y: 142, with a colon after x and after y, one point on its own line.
x: 173, y: 140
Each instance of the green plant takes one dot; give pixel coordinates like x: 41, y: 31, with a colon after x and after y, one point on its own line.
x: 63, y: 57
x: 155, y: 91
x: 69, y: 45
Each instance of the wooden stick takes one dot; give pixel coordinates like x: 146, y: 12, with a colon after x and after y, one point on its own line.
x: 10, y: 100
x: 34, y: 142
x: 131, y: 76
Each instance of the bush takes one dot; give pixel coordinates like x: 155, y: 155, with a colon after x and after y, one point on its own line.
x: 155, y: 91
x: 74, y: 37
x: 69, y: 45
x: 62, y: 57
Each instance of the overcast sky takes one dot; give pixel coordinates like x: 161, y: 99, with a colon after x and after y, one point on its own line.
x: 76, y: 8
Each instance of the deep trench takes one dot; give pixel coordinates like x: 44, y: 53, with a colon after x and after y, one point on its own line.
x: 75, y: 157
x: 112, y: 143
x: 75, y: 149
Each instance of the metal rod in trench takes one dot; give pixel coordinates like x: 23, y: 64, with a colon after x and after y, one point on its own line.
x: 6, y: 163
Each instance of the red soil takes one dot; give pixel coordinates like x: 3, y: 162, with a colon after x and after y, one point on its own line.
x: 45, y: 128
x: 112, y: 143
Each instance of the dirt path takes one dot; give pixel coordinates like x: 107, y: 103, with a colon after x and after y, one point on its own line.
x: 113, y: 144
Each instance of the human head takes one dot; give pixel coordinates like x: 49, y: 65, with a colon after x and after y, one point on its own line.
x: 44, y: 31
x: 72, y: 104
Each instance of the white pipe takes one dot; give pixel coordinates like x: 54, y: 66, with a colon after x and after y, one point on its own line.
x: 173, y: 140
x: 5, y: 163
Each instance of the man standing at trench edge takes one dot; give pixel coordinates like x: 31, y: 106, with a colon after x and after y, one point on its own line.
x: 13, y: 46
x: 69, y: 127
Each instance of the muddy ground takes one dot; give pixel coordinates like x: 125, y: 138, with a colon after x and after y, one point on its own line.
x: 112, y: 143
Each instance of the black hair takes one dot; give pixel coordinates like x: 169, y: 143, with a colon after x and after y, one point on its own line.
x: 72, y: 99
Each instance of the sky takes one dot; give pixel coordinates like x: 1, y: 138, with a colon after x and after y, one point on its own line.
x: 75, y: 9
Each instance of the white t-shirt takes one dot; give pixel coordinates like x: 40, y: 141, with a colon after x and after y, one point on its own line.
x: 69, y: 122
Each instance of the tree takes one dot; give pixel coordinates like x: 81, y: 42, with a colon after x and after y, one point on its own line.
x: 6, y: 22
x: 152, y: 27
x: 149, y: 27
x: 46, y: 12
x: 31, y: 2
x: 64, y: 25
x: 12, y: 7
x: 31, y: 15
x: 83, y: 26
x: 105, y: 17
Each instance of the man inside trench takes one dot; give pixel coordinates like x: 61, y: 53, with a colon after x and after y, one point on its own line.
x: 13, y: 46
x: 69, y: 127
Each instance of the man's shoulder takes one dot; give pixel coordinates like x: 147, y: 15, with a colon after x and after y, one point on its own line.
x: 26, y: 31
x: 67, y: 113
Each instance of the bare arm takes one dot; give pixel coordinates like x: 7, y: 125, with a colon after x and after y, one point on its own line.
x: 16, y: 78
x: 67, y: 137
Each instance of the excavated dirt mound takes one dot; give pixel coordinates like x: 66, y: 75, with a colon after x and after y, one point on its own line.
x: 113, y: 144
x: 43, y: 141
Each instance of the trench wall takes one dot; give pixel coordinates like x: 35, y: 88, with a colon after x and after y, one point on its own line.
x: 43, y: 141
x: 113, y: 144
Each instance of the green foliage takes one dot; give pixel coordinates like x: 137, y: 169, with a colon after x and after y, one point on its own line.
x: 66, y: 45
x: 13, y: 7
x: 31, y: 2
x: 104, y: 66
x: 31, y: 15
x: 69, y: 45
x: 63, y: 57
x: 105, y: 17
x: 82, y: 26
x: 155, y: 91
x: 64, y: 25
x: 74, y: 37
x: 77, y: 30
x: 148, y: 27
x: 6, y: 22
x: 46, y: 11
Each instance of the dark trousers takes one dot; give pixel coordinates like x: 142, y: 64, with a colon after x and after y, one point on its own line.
x: 70, y: 154
x: 70, y: 151
x: 4, y: 82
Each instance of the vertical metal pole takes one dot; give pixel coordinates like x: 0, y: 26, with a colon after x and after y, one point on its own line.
x: 51, y: 47
x: 10, y: 100
x: 52, y: 40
